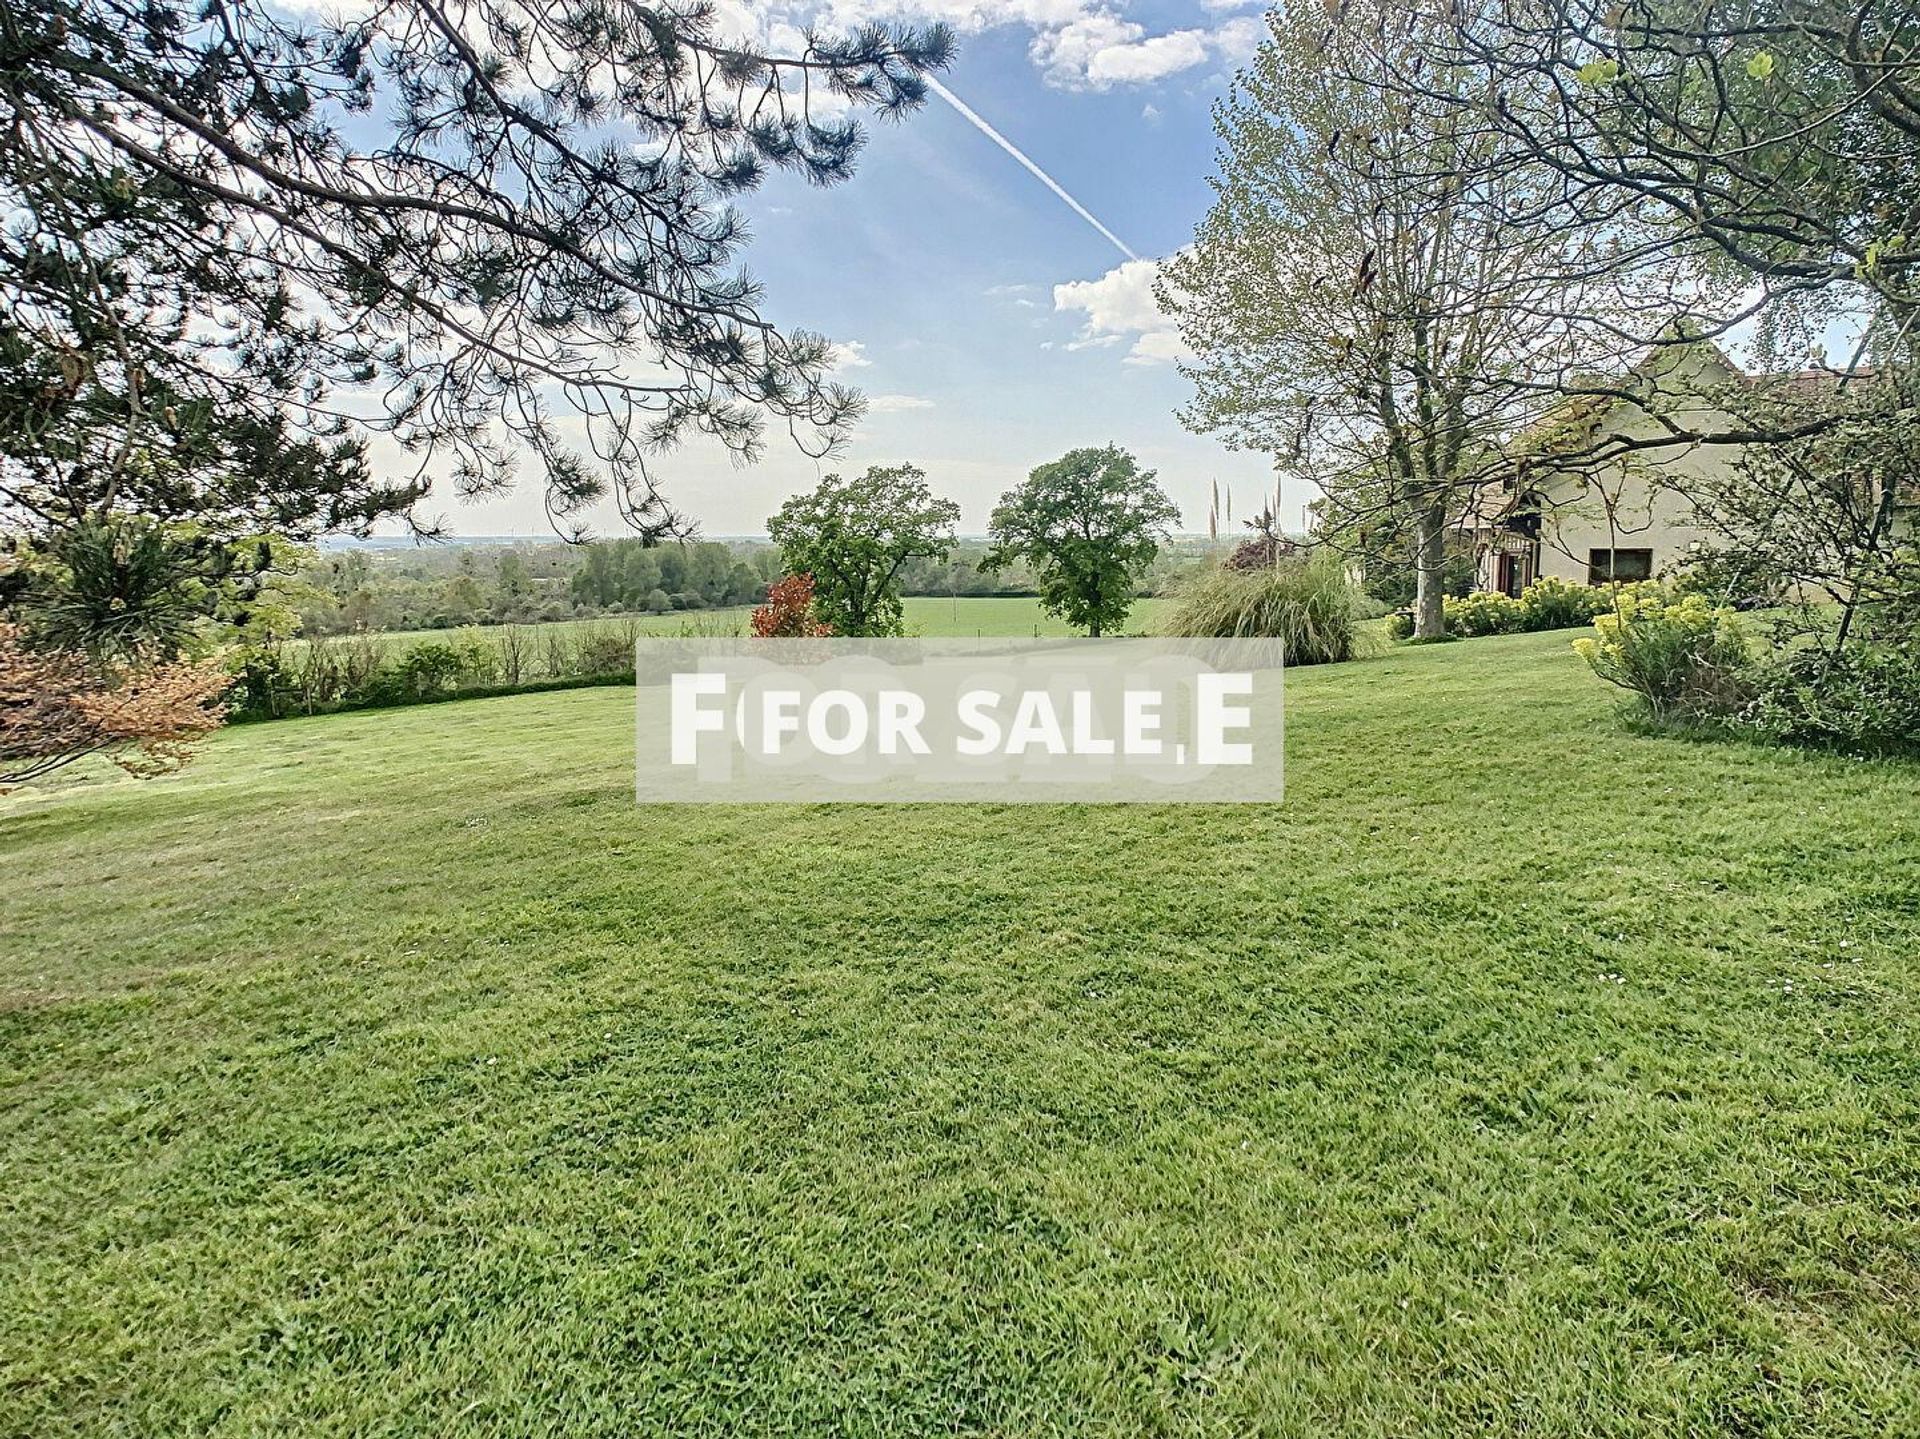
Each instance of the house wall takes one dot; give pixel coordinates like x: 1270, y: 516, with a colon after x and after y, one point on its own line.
x: 1629, y: 509
x: 1638, y: 502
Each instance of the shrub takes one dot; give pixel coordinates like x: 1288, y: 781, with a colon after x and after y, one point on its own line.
x: 1682, y: 658
x: 428, y: 670
x: 789, y: 612
x: 358, y: 659
x: 1400, y: 625
x: 57, y: 706
x: 513, y: 648
x: 479, y: 660
x: 1481, y: 613
x: 603, y: 654
x: 1308, y: 604
x: 1546, y: 604
x: 1865, y: 699
x: 262, y: 678
x: 1555, y: 604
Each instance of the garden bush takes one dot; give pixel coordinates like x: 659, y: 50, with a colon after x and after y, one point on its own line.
x: 1546, y: 604
x: 1308, y: 604
x: 603, y: 654
x: 362, y: 671
x: 1480, y: 613
x: 1864, y: 699
x: 429, y: 669
x: 789, y: 612
x: 1682, y: 658
x: 1556, y: 604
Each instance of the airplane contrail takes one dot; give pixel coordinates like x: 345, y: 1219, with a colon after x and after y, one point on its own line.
x: 967, y: 113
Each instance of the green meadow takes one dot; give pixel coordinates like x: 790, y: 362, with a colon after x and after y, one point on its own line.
x: 928, y: 615
x: 394, y: 1073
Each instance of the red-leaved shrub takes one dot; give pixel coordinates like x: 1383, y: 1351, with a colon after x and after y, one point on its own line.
x: 56, y: 707
x: 788, y: 612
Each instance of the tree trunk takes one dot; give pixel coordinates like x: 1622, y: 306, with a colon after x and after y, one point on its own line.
x: 1429, y: 561
x: 1093, y: 630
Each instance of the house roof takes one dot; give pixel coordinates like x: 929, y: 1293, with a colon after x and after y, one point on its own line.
x: 1575, y: 418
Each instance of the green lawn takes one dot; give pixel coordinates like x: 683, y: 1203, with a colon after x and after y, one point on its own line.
x: 392, y: 1073
x: 997, y: 615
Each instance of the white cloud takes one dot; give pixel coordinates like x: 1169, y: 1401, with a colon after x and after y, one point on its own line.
x: 845, y: 355
x: 1158, y: 347
x: 1077, y: 44
x: 1100, y: 50
x: 1235, y: 41
x: 1020, y: 295
x: 1120, y: 306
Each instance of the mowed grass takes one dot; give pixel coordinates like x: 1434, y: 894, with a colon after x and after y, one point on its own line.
x: 393, y: 1073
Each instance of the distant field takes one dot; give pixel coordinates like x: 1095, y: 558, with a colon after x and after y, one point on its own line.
x: 926, y: 615
x: 930, y: 615
x: 676, y: 622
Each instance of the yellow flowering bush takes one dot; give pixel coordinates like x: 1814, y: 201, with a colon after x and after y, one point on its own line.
x: 1682, y: 656
x: 1546, y: 604
x: 1481, y: 613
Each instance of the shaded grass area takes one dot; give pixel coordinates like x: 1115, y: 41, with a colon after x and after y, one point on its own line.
x: 393, y: 1073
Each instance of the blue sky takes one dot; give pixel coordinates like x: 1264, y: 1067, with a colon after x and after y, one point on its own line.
x: 990, y: 326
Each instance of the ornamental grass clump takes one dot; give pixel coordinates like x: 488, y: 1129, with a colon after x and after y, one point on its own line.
x: 1307, y: 604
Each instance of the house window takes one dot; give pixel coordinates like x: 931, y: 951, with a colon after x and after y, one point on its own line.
x: 1607, y: 566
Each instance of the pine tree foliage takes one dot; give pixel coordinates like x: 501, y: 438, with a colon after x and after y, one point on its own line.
x: 240, y: 242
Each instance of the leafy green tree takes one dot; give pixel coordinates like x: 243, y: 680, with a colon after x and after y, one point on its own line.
x: 1372, y: 300
x: 708, y: 566
x: 513, y: 584
x: 743, y: 585
x: 243, y: 240
x: 1089, y: 524
x: 359, y: 611
x: 463, y: 599
x: 855, y: 536
x: 347, y: 573
x: 1782, y: 139
x: 598, y: 580
x: 672, y: 560
x: 639, y: 572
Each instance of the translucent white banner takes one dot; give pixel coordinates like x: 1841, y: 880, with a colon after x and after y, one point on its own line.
x: 751, y: 721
